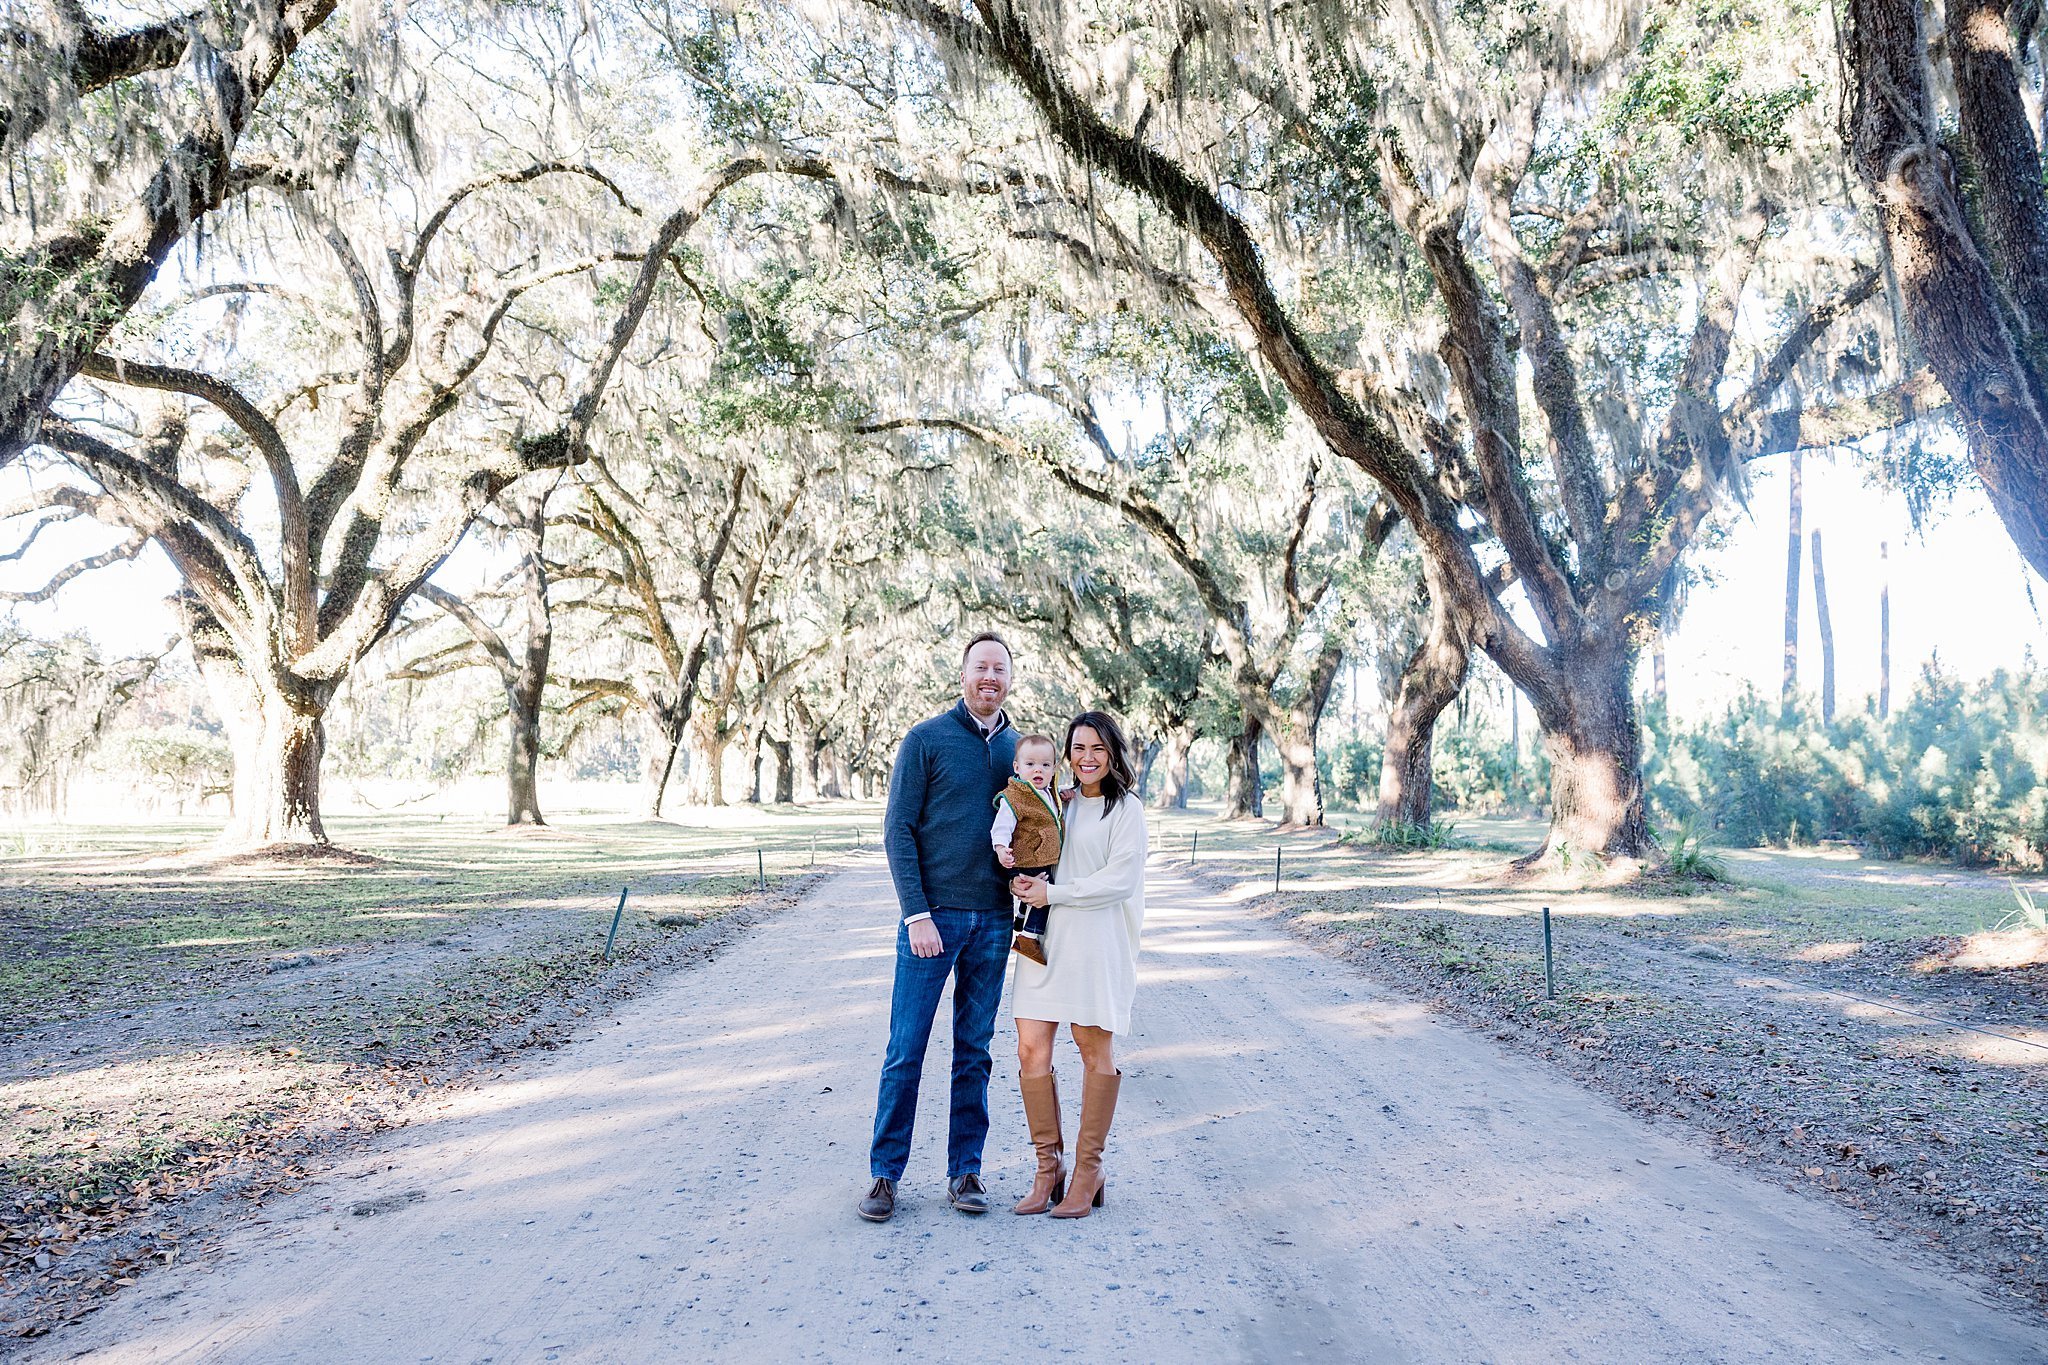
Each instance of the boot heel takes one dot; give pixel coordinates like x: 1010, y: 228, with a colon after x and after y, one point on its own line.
x: 1100, y: 1190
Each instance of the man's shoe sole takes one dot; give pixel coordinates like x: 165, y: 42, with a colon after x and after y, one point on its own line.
x: 966, y: 1208
x: 876, y: 1217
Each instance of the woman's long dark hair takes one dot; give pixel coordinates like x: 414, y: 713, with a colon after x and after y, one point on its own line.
x: 1120, y: 779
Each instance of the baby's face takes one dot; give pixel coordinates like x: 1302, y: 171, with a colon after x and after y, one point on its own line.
x: 1036, y: 765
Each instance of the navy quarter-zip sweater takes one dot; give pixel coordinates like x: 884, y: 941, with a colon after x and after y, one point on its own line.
x: 942, y: 793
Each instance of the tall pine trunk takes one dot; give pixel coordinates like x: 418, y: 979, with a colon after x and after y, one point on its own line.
x: 1827, y: 635
x: 1884, y: 630
x: 1795, y: 496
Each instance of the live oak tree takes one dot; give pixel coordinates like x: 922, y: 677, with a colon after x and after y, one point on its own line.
x: 356, y: 502
x: 485, y: 621
x: 1264, y: 583
x: 57, y: 698
x: 362, y: 498
x: 124, y: 139
x: 1964, y: 220
x: 362, y: 495
x: 1105, y: 614
x: 1276, y: 142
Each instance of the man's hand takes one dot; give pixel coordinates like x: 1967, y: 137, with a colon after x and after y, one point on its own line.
x: 1004, y: 856
x: 1030, y: 890
x: 925, y: 940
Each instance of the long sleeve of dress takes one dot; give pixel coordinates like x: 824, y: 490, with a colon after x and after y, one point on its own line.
x: 1117, y: 881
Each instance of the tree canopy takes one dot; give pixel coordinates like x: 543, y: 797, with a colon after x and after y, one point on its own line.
x: 752, y: 348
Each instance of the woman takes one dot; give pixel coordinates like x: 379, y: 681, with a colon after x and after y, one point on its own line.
x: 1097, y: 901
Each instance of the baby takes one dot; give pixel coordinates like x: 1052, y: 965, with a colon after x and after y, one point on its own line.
x: 1027, y: 833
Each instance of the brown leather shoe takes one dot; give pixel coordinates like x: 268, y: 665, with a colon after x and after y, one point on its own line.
x: 880, y: 1202
x: 1025, y: 946
x: 1042, y: 1113
x: 967, y: 1194
x: 1098, y: 1108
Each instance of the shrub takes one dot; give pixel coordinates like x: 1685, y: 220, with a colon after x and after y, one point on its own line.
x: 1959, y: 771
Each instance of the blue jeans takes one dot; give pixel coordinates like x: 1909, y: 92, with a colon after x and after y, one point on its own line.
x: 976, y: 955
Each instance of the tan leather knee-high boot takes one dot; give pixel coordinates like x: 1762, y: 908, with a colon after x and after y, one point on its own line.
x: 1098, y: 1108
x: 1042, y: 1113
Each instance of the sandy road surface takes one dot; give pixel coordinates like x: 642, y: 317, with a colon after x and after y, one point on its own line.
x: 1306, y: 1167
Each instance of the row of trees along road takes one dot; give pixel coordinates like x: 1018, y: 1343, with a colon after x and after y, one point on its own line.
x: 752, y: 347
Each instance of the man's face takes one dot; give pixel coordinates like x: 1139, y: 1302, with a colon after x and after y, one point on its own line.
x: 1035, y: 764
x: 985, y: 678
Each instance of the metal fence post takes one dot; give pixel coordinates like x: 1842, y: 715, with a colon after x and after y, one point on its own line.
x: 617, y: 915
x: 1549, y: 963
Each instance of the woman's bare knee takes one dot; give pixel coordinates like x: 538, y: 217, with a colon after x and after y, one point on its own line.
x: 1034, y: 1047
x: 1098, y: 1048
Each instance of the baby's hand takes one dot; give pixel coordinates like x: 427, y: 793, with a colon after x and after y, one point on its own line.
x: 1004, y: 856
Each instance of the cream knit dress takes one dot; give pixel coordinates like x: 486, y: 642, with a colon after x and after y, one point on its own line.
x: 1091, y: 937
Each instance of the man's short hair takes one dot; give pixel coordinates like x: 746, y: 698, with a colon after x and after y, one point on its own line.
x: 1047, y: 740
x: 984, y: 638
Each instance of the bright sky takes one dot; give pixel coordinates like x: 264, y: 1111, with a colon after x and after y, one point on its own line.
x: 1960, y: 589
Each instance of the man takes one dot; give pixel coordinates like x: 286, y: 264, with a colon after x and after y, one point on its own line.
x: 955, y: 911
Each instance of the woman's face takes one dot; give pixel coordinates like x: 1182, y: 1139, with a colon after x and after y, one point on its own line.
x: 1089, y: 758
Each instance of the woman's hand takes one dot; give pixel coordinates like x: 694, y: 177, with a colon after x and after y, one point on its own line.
x: 1030, y: 890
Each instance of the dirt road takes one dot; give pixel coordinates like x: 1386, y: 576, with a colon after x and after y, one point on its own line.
x: 1306, y: 1167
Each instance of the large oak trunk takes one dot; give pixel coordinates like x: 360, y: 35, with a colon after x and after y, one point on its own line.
x: 804, y: 754
x: 1430, y: 681
x: 1301, y: 786
x: 706, y: 783
x: 785, y: 770
x: 1174, y: 748
x: 522, y: 760
x: 277, y: 734
x: 1244, y: 796
x: 277, y: 774
x: 1975, y: 319
x: 522, y: 771
x: 1595, y: 746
